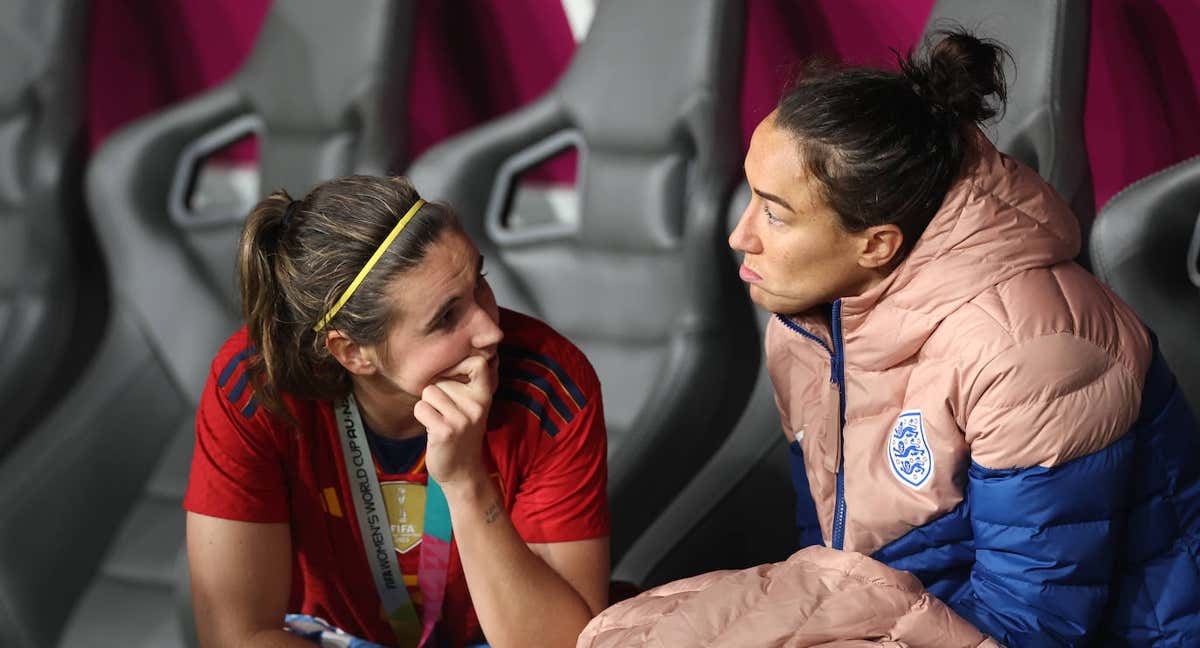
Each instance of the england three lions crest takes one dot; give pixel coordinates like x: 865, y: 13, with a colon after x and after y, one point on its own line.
x: 908, y: 450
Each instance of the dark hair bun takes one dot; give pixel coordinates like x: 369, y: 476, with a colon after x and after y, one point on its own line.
x: 959, y: 74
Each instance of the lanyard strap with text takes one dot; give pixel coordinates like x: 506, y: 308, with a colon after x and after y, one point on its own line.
x: 371, y: 511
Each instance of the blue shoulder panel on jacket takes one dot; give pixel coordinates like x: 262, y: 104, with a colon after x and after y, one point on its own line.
x: 1158, y: 591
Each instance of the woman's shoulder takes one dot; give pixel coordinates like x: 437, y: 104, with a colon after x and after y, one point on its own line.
x: 231, y: 389
x: 531, y: 346
x: 1062, y: 305
x: 1049, y: 349
x: 237, y: 349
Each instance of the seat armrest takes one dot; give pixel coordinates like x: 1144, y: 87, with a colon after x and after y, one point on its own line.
x: 136, y: 165
x: 461, y: 170
x: 128, y: 183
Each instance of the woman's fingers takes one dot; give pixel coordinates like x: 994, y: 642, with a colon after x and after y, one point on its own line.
x: 429, y: 416
x: 448, y: 410
x: 471, y: 395
x: 454, y: 410
x: 468, y: 401
x: 472, y: 371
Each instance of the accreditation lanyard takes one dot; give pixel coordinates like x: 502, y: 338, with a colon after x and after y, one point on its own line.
x: 370, y: 509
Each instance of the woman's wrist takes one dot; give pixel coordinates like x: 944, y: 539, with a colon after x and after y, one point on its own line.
x: 471, y: 487
x: 474, y: 500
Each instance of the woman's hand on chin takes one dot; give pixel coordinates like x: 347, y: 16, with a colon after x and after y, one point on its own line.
x: 454, y: 411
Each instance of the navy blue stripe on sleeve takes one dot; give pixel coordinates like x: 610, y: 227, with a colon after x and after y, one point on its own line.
x: 530, y: 404
x: 235, y: 394
x: 524, y: 354
x: 232, y: 366
x: 542, y: 385
x: 250, y: 408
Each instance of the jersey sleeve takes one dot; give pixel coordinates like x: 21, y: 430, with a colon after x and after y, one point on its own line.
x: 565, y: 494
x: 237, y: 464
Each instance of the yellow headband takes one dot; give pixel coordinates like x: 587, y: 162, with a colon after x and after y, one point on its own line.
x: 362, y: 274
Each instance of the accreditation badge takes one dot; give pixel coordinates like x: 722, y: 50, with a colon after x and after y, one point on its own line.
x: 405, y: 503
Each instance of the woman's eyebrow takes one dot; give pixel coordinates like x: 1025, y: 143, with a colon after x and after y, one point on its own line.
x: 773, y: 198
x: 437, y: 316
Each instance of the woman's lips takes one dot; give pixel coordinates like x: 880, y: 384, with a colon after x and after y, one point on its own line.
x: 748, y: 275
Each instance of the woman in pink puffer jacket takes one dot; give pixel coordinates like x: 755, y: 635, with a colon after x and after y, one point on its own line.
x: 963, y: 401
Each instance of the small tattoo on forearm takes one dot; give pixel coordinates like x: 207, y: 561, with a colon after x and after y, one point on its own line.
x: 491, y: 514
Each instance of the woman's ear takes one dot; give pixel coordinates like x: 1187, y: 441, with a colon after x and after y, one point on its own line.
x: 881, y: 245
x: 358, y: 359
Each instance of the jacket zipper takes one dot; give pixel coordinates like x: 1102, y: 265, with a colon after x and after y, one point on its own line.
x: 799, y: 329
x: 836, y: 376
x: 839, y: 367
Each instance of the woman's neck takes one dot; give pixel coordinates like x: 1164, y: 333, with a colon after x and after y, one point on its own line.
x: 386, y: 410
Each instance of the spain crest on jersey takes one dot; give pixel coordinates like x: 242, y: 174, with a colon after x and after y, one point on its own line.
x: 908, y: 450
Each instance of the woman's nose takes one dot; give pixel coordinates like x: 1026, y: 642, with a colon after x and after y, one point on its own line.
x: 742, y: 239
x: 487, y: 331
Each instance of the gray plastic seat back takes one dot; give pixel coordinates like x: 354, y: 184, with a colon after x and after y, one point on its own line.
x: 41, y: 220
x: 313, y: 92
x: 640, y: 281
x: 747, y: 482
x: 102, y: 566
x: 1146, y: 245
x: 1043, y: 126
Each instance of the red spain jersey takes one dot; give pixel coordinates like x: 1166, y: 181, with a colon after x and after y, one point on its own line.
x: 546, y: 450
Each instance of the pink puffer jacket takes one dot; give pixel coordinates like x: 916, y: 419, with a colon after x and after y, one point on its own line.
x: 988, y: 341
x: 987, y: 361
x: 818, y: 597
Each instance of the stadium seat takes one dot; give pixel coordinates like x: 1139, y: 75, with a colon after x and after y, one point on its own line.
x: 739, y: 510
x: 638, y: 276
x: 1146, y: 246
x: 49, y: 305
x: 91, y: 529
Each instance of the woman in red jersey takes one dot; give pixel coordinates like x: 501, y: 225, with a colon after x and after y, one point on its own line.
x: 383, y: 448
